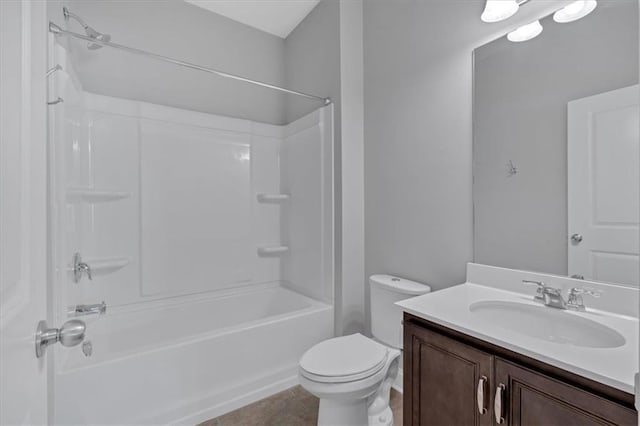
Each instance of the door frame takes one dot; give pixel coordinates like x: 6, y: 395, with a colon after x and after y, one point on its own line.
x: 23, y: 209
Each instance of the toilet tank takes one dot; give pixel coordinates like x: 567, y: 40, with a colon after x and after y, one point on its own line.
x: 386, y: 317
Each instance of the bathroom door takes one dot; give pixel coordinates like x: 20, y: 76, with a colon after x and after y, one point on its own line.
x: 23, y: 202
x: 603, y: 186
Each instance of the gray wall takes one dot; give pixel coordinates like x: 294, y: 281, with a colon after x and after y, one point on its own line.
x: 418, y: 135
x: 312, y: 60
x: 520, y: 114
x: 417, y: 76
x: 183, y: 31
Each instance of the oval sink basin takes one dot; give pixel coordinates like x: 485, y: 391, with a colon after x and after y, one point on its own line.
x: 549, y: 324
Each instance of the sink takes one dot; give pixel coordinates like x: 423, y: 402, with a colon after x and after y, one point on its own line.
x: 553, y: 325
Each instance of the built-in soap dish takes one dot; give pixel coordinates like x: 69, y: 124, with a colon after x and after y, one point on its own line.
x: 92, y: 195
x: 273, y: 198
x: 272, y: 250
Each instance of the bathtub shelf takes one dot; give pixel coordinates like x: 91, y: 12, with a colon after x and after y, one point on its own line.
x: 272, y: 250
x: 92, y: 196
x: 273, y: 198
x: 106, y: 265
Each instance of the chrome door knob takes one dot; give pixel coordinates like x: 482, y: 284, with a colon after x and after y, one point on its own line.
x: 576, y: 238
x: 70, y: 334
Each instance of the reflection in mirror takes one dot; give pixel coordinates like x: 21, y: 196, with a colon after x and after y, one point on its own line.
x: 555, y: 155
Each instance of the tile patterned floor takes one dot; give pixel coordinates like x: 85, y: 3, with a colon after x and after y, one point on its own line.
x: 292, y: 407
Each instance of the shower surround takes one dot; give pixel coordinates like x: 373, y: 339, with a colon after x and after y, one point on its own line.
x: 209, y: 238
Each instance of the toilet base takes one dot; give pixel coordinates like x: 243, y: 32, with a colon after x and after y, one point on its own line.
x: 342, y: 413
x: 385, y: 418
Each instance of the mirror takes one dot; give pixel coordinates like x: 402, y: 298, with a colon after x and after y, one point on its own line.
x: 556, y: 156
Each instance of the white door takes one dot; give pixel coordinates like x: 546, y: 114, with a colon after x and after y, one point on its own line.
x: 23, y: 202
x: 603, y: 186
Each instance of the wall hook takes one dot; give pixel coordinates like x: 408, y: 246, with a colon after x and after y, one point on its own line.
x: 512, y: 169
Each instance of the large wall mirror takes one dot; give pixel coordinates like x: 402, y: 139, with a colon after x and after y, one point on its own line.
x: 556, y: 156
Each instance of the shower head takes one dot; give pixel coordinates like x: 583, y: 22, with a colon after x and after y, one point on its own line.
x: 87, y: 29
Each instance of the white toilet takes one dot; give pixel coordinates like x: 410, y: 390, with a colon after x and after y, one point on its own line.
x: 352, y: 375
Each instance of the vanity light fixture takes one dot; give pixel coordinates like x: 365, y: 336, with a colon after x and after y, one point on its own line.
x: 525, y: 32
x: 499, y: 10
x: 574, y: 11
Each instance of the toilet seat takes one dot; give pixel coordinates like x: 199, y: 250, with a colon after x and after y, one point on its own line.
x: 343, y: 359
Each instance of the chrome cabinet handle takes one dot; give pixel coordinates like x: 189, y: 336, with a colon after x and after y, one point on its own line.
x: 498, y: 403
x: 480, y: 394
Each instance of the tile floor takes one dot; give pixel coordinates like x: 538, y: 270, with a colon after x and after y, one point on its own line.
x: 292, y: 407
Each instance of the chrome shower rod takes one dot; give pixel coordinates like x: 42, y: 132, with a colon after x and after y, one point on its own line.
x: 55, y: 29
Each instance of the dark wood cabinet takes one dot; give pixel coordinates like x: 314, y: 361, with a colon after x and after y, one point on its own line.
x: 535, y: 399
x: 448, y: 381
x: 452, y: 379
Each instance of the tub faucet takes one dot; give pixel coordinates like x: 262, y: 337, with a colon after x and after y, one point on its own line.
x: 81, y: 310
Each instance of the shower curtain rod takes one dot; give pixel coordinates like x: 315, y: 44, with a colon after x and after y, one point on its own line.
x: 55, y: 29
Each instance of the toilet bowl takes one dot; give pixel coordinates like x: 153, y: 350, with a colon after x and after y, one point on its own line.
x: 346, y: 374
x: 352, y: 375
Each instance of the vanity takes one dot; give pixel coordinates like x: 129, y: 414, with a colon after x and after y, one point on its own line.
x: 481, y: 354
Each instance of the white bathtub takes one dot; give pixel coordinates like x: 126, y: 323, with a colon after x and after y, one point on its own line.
x: 185, y: 362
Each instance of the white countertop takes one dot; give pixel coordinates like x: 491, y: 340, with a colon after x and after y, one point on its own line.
x: 612, y: 366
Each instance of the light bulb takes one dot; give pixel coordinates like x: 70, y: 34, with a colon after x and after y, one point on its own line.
x: 574, y: 11
x: 525, y: 32
x: 499, y: 10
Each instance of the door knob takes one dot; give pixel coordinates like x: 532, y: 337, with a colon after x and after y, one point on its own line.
x: 70, y: 334
x: 576, y: 238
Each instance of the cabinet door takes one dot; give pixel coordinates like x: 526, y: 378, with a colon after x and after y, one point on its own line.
x: 446, y: 382
x: 532, y: 398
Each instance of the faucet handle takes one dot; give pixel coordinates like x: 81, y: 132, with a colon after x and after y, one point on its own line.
x: 588, y: 291
x: 575, y: 301
x: 79, y: 267
x: 541, y: 288
x: 540, y: 284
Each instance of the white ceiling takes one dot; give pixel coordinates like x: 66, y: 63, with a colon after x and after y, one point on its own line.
x: 277, y: 17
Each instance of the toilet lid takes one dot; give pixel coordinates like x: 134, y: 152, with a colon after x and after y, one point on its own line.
x: 344, y: 359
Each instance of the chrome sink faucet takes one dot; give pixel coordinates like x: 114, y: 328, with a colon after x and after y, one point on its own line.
x: 548, y: 296
x: 552, y: 297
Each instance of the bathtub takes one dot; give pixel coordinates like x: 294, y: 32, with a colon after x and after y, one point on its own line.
x: 186, y: 361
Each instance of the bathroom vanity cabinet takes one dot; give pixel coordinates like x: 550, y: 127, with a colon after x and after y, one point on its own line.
x: 454, y: 379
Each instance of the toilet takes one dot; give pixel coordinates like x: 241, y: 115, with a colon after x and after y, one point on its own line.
x: 353, y: 375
